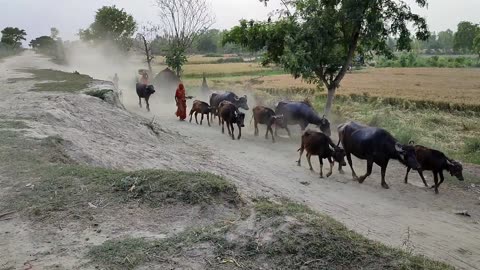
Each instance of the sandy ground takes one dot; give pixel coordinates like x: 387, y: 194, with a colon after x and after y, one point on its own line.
x: 104, y: 135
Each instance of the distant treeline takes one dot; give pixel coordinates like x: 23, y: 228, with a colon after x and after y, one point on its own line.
x: 465, y: 40
x: 412, y: 59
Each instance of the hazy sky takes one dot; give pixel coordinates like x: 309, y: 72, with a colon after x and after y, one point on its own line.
x: 37, y: 16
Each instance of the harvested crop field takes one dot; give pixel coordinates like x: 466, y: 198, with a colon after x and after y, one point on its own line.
x: 460, y: 86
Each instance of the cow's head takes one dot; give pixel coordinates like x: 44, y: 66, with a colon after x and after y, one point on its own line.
x: 240, y: 119
x: 324, y: 126
x: 407, y: 156
x: 241, y: 102
x: 455, y: 168
x: 150, y: 89
x: 339, y: 155
x: 279, y: 121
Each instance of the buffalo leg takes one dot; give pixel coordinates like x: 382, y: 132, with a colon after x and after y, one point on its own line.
x: 208, y: 120
x: 148, y: 104
x: 299, y: 161
x: 223, y: 127
x: 196, y: 119
x: 441, y: 178
x: 239, y: 132
x: 201, y: 120
x: 435, y: 179
x: 269, y: 128
x: 369, y: 171
x: 383, y: 171
x: 228, y: 128
x: 420, y: 172
x: 255, y: 126
x: 233, y: 131
x: 140, y: 102
x: 406, y: 175
x: 191, y: 113
x: 288, y: 131
x: 321, y: 166
x: 331, y: 166
x: 349, y: 159
x: 309, y: 162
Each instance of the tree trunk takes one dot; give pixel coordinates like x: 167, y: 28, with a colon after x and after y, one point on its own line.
x: 330, y: 97
x: 150, y: 66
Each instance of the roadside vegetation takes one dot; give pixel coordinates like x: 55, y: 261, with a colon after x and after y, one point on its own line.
x: 58, y: 81
x: 283, y: 234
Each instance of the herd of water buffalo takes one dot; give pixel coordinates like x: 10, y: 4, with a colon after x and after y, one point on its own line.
x: 373, y: 144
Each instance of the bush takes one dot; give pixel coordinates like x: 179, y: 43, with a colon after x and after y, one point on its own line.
x: 413, y: 60
x: 230, y: 60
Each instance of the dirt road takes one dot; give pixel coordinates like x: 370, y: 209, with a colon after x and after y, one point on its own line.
x: 405, y: 215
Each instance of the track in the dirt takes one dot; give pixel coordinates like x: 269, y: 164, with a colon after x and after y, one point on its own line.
x: 406, y: 214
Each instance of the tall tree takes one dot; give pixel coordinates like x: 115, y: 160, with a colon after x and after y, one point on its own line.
x: 445, y: 39
x: 183, y: 21
x: 463, y: 40
x: 476, y: 45
x: 208, y: 42
x: 317, y: 39
x: 145, y: 38
x: 111, y: 24
x: 13, y: 36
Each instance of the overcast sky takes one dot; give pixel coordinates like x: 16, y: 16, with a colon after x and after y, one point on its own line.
x: 38, y: 16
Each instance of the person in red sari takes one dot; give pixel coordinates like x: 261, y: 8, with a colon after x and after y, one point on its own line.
x: 181, y: 100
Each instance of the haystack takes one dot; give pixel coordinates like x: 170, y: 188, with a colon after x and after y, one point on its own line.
x: 166, y: 81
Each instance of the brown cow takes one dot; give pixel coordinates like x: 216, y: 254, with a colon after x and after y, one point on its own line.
x: 200, y: 107
x: 319, y: 144
x: 229, y: 113
x: 266, y: 116
x: 435, y: 161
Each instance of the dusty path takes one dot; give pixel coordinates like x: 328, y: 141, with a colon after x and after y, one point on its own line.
x: 405, y: 213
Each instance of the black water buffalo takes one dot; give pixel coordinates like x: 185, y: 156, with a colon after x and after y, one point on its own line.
x: 301, y: 113
x: 200, y: 107
x: 375, y: 145
x: 216, y: 98
x: 319, y: 144
x: 229, y: 113
x: 266, y: 116
x: 435, y: 161
x: 144, y: 91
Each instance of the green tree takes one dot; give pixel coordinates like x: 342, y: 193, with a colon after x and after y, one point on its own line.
x: 445, y: 39
x: 111, y: 24
x: 317, y: 39
x: 476, y: 45
x: 13, y: 36
x: 463, y: 40
x: 208, y: 42
x: 43, y: 43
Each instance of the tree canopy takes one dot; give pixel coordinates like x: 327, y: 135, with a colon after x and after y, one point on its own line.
x: 464, y: 36
x: 13, y: 36
x: 43, y: 43
x: 317, y: 39
x: 476, y: 45
x: 111, y: 24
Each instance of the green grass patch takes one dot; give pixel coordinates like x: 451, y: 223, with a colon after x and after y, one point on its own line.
x: 300, y: 239
x: 99, y: 93
x: 59, y: 81
x: 61, y: 185
x: 12, y: 124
